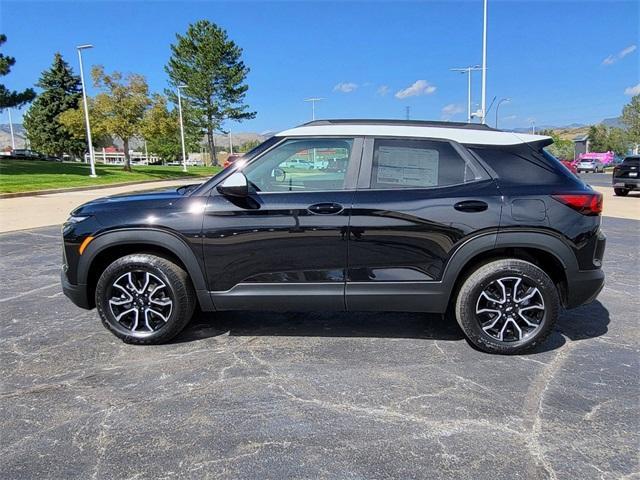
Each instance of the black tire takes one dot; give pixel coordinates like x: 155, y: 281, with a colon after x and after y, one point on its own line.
x: 177, y: 290
x: 470, y: 298
x: 621, y: 192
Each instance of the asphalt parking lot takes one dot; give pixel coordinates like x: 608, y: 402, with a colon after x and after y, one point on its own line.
x: 349, y: 396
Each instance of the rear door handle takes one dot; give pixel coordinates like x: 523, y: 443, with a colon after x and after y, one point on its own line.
x: 325, y: 208
x: 471, y: 206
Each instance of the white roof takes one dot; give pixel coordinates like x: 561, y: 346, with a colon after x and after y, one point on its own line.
x: 460, y: 135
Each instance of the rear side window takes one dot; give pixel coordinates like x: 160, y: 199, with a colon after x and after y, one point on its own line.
x: 402, y: 163
x: 521, y: 164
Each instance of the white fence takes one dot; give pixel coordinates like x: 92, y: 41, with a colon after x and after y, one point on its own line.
x: 117, y: 158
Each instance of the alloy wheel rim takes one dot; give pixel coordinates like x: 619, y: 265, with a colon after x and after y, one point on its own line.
x: 140, y: 302
x: 510, y: 309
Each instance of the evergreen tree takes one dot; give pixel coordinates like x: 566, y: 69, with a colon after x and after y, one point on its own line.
x: 8, y: 98
x: 210, y: 67
x: 61, y: 91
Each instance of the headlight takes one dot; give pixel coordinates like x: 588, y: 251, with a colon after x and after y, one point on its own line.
x: 77, y: 218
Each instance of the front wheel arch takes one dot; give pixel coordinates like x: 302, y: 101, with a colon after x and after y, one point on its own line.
x: 112, y: 245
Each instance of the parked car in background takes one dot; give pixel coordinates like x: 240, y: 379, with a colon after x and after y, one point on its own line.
x: 437, y: 217
x: 601, y: 158
x: 625, y: 176
x: 590, y: 165
x: 571, y: 166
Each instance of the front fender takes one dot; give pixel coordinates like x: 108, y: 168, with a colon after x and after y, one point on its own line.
x: 153, y: 237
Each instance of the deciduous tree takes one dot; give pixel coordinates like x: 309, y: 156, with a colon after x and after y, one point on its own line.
x: 121, y: 105
x: 210, y: 67
x: 605, y: 139
x: 631, y: 119
x: 161, y: 130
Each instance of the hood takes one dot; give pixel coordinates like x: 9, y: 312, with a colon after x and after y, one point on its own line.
x: 150, y: 198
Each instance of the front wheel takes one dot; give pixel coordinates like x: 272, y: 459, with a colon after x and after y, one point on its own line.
x: 507, y: 306
x: 144, y: 299
x: 621, y: 192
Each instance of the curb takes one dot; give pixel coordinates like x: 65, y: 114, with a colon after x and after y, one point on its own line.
x: 36, y: 193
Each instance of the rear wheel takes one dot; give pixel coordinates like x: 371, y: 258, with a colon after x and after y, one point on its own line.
x: 507, y: 306
x: 144, y: 299
x: 621, y: 192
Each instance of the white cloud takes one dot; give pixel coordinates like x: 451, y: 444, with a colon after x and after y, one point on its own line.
x: 419, y: 87
x: 450, y: 110
x: 632, y: 91
x: 611, y: 59
x: 383, y: 90
x: 345, y: 87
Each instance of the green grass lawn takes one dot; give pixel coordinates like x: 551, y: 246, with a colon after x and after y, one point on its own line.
x: 33, y: 175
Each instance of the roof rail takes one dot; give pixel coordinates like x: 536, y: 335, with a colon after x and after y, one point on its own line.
x: 407, y: 123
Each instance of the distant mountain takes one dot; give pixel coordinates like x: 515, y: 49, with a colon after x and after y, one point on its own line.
x: 615, y: 122
x: 5, y: 135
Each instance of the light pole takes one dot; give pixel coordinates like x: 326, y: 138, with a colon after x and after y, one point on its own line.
x: 484, y: 64
x: 92, y: 158
x: 230, y: 145
x: 313, y: 101
x: 13, y: 139
x: 184, y: 153
x: 506, y: 100
x: 468, y: 71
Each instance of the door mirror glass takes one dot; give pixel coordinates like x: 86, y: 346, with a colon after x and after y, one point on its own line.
x: 235, y: 185
x: 279, y: 175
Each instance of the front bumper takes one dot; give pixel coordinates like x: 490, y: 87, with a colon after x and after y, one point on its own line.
x: 76, y: 293
x: 583, y: 287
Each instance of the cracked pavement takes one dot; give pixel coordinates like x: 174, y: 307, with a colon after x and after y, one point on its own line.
x: 349, y: 395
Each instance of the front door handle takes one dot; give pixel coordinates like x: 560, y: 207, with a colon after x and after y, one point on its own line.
x: 325, y: 208
x: 471, y: 206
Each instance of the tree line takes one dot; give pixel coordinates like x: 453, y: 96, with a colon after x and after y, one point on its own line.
x: 603, y: 138
x: 205, y: 64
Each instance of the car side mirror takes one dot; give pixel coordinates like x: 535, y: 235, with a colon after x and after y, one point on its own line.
x: 279, y: 175
x: 235, y: 185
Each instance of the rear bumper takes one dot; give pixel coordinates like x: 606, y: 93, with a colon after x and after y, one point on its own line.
x: 626, y: 182
x: 584, y: 287
x: 76, y: 293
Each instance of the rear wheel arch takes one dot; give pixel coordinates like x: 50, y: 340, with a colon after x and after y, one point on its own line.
x: 546, y: 251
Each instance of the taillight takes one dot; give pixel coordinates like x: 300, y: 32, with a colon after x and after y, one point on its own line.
x: 585, y: 203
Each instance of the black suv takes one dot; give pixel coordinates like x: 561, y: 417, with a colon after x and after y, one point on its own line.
x: 480, y: 224
x: 625, y: 176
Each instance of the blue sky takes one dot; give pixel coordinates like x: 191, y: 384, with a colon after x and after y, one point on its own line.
x: 560, y: 62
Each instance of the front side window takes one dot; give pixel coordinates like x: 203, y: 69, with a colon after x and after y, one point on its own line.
x: 417, y: 164
x: 302, y: 165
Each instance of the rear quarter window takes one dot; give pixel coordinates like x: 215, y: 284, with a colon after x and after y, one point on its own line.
x: 521, y: 164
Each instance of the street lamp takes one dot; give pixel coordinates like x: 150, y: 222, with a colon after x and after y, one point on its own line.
x: 468, y: 71
x: 184, y: 153
x: 92, y: 158
x: 484, y: 64
x: 506, y: 100
x: 13, y: 138
x: 313, y: 101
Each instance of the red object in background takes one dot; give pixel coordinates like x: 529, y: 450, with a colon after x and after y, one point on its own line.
x: 570, y: 165
x: 231, y: 159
